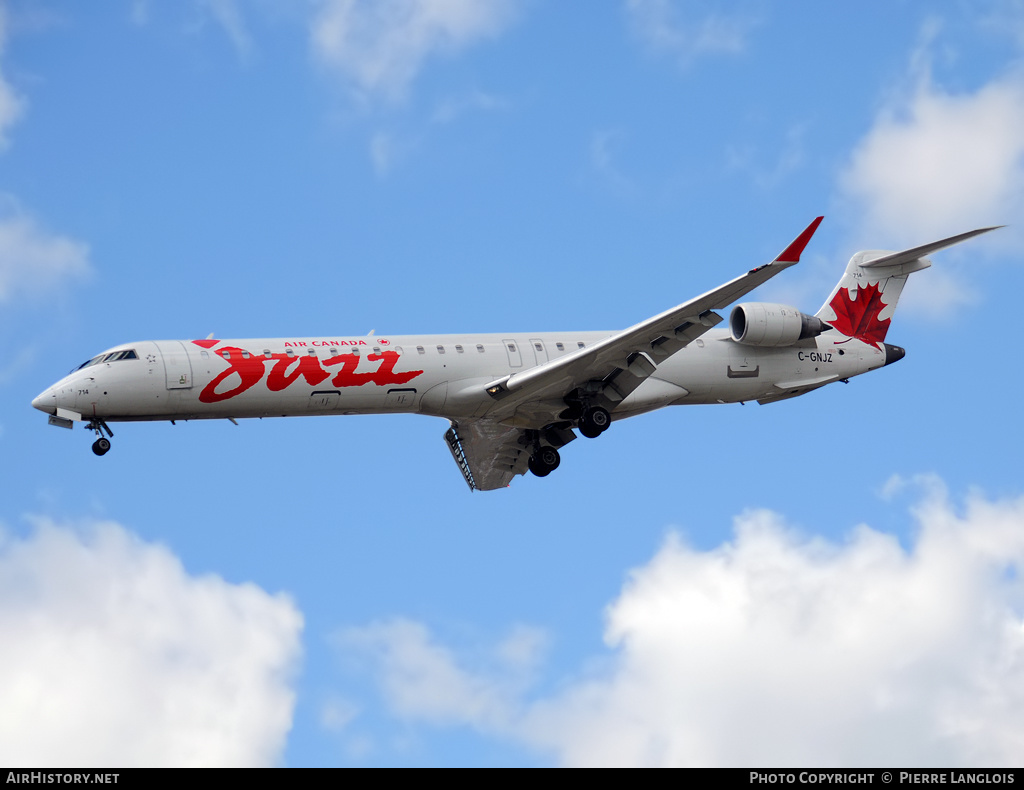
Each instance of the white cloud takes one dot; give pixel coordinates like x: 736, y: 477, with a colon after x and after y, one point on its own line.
x: 935, y: 163
x: 938, y: 163
x: 379, y: 46
x: 115, y: 655
x: 34, y: 261
x: 775, y: 649
x: 421, y: 679
x: 661, y: 26
x: 12, y: 107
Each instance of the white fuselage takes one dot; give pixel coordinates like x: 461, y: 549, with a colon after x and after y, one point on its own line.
x: 440, y: 375
x: 512, y: 400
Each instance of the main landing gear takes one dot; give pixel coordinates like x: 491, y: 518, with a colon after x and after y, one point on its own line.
x: 102, y: 445
x: 544, y: 461
x: 542, y: 444
x: 594, y: 421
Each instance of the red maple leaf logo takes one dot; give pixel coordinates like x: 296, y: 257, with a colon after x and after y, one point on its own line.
x: 859, y: 317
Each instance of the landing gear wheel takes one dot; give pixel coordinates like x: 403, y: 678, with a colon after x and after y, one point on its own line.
x: 544, y: 461
x: 594, y: 422
x: 102, y: 444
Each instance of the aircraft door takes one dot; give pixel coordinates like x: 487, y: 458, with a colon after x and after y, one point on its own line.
x: 177, y: 366
x: 539, y: 350
x: 515, y: 357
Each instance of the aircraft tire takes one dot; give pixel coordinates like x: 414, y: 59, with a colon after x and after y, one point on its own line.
x: 544, y: 461
x: 594, y: 422
x: 101, y: 446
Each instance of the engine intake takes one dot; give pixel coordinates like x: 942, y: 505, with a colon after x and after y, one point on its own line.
x: 772, y: 325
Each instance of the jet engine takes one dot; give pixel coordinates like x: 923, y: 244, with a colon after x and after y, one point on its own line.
x: 772, y: 325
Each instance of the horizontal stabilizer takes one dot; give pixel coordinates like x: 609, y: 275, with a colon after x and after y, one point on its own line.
x: 898, y: 258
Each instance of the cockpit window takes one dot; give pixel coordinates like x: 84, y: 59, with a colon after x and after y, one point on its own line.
x: 88, y: 362
x: 113, y: 356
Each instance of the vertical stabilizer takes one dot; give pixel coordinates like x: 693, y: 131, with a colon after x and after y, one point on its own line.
x: 863, y: 302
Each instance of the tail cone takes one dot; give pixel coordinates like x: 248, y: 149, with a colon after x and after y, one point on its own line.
x: 893, y: 353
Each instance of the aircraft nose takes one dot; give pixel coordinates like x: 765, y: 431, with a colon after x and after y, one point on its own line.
x: 46, y: 401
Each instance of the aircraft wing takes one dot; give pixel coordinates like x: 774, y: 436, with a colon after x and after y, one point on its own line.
x: 488, y: 453
x: 638, y: 349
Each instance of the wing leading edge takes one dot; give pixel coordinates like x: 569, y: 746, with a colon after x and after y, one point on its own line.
x: 490, y: 452
x: 639, y: 348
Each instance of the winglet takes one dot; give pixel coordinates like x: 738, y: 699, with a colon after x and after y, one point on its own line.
x: 792, y: 253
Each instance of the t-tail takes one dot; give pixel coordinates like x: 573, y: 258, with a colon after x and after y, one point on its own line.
x: 862, y: 304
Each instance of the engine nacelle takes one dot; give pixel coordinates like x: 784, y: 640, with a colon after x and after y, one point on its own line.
x: 772, y: 325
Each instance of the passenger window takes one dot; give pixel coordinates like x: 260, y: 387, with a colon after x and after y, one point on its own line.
x: 560, y: 346
x: 580, y: 345
x: 290, y: 352
x: 267, y: 354
x: 246, y: 355
x: 459, y: 349
x: 226, y: 354
x: 480, y: 347
x: 334, y: 352
x: 538, y: 346
x: 204, y: 354
x: 312, y: 352
x: 420, y: 350
x: 440, y: 349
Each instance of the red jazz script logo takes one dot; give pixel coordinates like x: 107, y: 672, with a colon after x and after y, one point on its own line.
x: 859, y: 317
x: 285, y: 370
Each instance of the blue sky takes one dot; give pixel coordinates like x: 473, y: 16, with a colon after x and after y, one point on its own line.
x: 832, y: 580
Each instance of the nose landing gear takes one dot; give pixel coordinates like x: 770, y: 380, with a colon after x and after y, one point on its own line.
x: 102, y: 445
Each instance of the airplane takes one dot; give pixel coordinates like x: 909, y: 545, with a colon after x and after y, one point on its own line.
x: 514, y: 400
